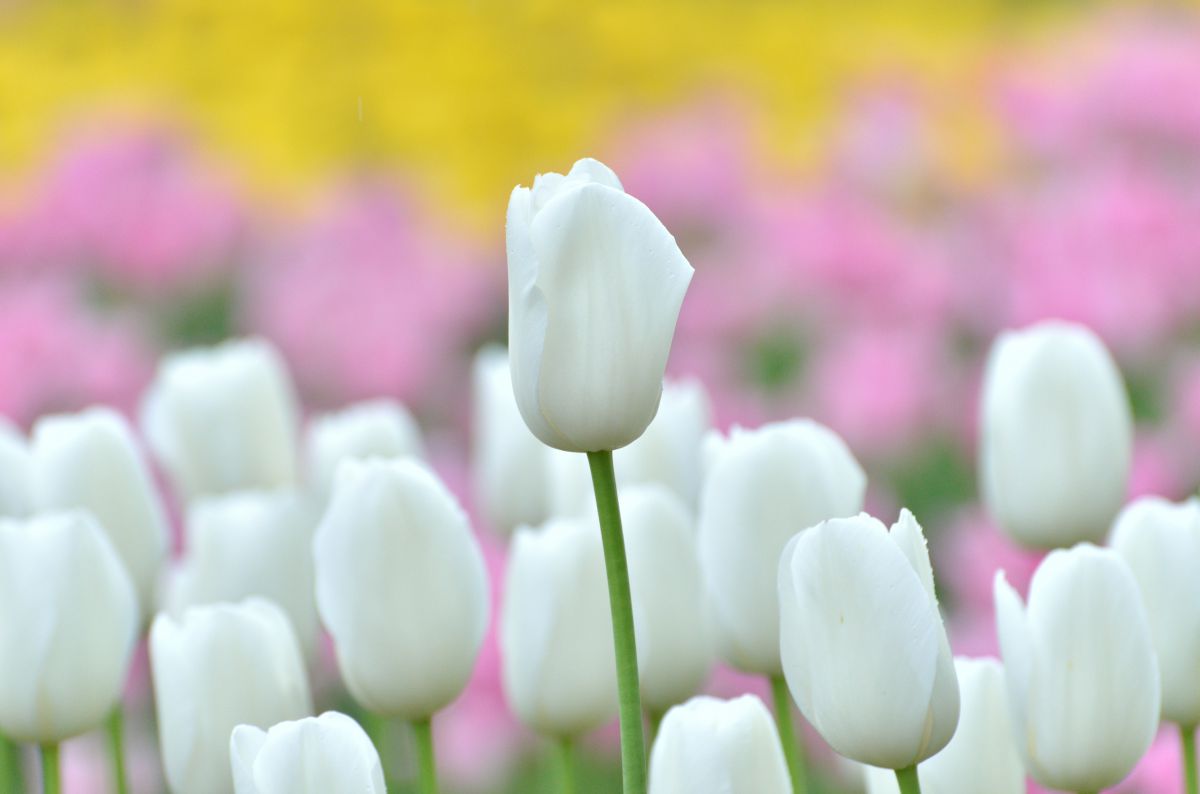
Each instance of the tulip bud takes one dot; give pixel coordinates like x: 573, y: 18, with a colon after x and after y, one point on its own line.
x: 674, y: 645
x: 509, y: 463
x: 250, y: 543
x: 91, y: 461
x: 981, y: 758
x: 68, y: 622
x: 223, y: 419
x: 374, y: 429
x: 217, y: 667
x: 556, y: 640
x: 315, y: 755
x: 1082, y: 679
x: 595, y: 283
x: 1160, y: 541
x: 1056, y: 435
x: 711, y: 746
x: 16, y: 485
x: 401, y: 586
x: 763, y: 486
x: 864, y: 650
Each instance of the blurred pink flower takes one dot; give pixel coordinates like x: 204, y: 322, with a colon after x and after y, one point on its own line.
x: 371, y: 298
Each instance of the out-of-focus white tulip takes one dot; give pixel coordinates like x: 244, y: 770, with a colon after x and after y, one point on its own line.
x: 373, y: 429
x: 217, y: 667
x: 509, y: 462
x: 315, y: 755
x: 401, y: 586
x: 762, y: 487
x: 1056, y: 435
x: 711, y: 746
x: 674, y: 642
x: 981, y: 758
x: 68, y: 622
x: 16, y: 479
x: 250, y: 543
x: 669, y: 453
x: 1160, y: 540
x: 556, y: 638
x: 91, y: 461
x: 224, y: 419
x: 1082, y: 678
x: 595, y: 282
x: 864, y: 650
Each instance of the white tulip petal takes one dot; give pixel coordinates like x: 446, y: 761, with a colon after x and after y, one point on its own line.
x: 315, y: 755
x: 371, y: 429
x: 16, y: 486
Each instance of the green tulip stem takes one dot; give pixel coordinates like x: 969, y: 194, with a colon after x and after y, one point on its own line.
x: 782, y: 701
x: 50, y: 781
x: 1187, y: 739
x: 633, y: 748
x: 116, y: 748
x: 566, y: 760
x: 426, y: 762
x: 654, y: 718
x: 10, y: 765
x: 907, y: 778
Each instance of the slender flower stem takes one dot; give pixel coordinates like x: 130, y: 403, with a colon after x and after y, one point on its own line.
x: 1187, y: 738
x: 782, y: 701
x: 907, y: 778
x: 633, y: 749
x: 116, y: 748
x: 10, y: 765
x: 426, y: 762
x: 566, y: 758
x: 50, y: 782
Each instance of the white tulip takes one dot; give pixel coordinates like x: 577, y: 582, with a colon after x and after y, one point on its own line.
x: 16, y: 479
x: 91, y: 461
x: 224, y: 419
x: 401, y: 586
x: 556, y: 640
x: 250, y: 543
x: 1056, y: 435
x: 595, y: 283
x: 674, y: 645
x: 373, y: 429
x: 981, y: 758
x: 710, y: 746
x: 315, y: 755
x: 762, y: 487
x: 864, y: 650
x: 1160, y: 541
x: 1082, y: 678
x: 508, y: 462
x: 217, y: 667
x: 68, y: 622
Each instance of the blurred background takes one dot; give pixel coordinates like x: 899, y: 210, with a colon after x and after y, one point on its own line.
x: 868, y: 192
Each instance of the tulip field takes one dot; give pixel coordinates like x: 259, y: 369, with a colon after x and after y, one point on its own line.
x: 656, y: 398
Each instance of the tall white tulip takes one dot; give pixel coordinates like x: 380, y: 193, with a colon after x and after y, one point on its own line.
x: 68, y: 622
x: 864, y: 650
x: 1160, y: 541
x: 508, y: 462
x: 556, y: 639
x: 91, y: 461
x: 401, y: 586
x: 710, y: 746
x: 250, y: 543
x: 1082, y: 678
x: 763, y: 486
x: 1056, y: 435
x: 16, y: 473
x: 595, y: 283
x: 224, y: 419
x: 217, y: 667
x: 981, y: 758
x: 674, y: 641
x: 372, y: 429
x: 315, y: 755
